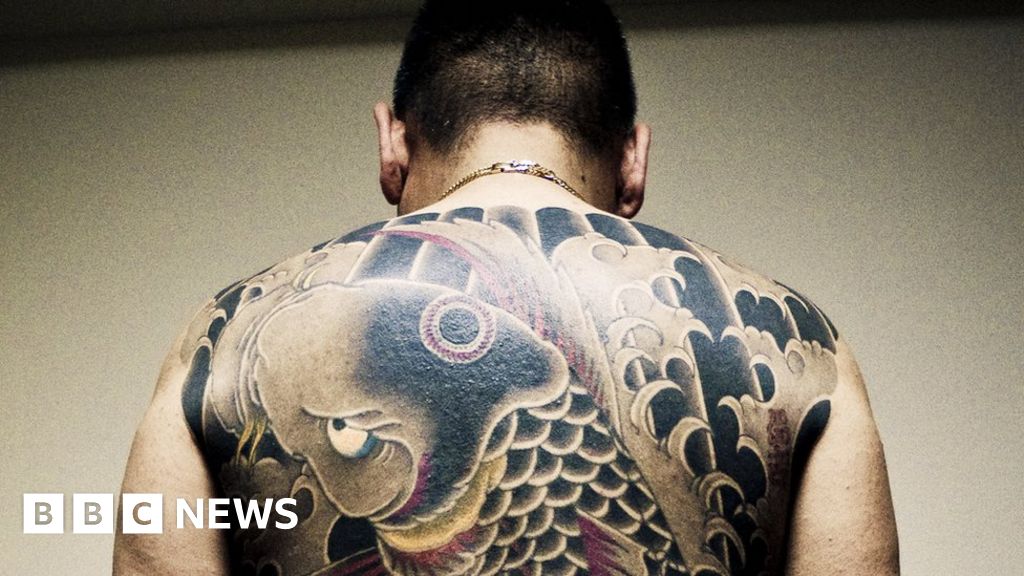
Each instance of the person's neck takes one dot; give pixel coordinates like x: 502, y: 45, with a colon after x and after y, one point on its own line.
x: 431, y: 175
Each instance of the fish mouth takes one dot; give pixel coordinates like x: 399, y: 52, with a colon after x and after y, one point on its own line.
x: 457, y: 519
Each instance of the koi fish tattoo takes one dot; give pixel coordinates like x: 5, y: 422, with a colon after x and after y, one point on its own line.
x: 511, y: 391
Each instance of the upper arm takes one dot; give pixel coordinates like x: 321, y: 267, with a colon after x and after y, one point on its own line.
x: 165, y: 459
x: 843, y: 519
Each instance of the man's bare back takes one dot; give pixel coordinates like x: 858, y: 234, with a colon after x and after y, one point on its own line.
x: 542, y: 391
x: 511, y: 377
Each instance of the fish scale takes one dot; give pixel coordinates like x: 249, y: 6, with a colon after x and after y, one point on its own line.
x: 537, y: 504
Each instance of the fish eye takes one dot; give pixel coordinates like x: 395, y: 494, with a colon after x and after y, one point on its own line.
x: 348, y: 441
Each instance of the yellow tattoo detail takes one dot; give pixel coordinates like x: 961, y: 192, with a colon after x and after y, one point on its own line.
x: 252, y: 434
x: 450, y: 524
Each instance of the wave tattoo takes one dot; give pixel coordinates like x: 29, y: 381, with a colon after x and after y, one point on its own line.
x: 483, y: 392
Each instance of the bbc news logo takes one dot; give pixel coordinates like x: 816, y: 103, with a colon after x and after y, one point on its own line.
x: 143, y: 513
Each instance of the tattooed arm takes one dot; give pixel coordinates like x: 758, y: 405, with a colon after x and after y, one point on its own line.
x: 843, y: 518
x: 164, y: 459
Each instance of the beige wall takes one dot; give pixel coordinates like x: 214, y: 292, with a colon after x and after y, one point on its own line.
x: 877, y: 167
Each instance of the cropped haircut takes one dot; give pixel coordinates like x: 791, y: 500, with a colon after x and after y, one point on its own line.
x: 564, y: 62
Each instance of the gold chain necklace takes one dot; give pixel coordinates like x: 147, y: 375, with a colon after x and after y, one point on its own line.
x: 528, y: 167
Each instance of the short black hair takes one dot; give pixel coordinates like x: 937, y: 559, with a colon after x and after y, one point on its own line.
x: 564, y: 62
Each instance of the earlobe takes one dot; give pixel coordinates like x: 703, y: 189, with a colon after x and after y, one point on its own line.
x: 394, y: 154
x: 633, y: 171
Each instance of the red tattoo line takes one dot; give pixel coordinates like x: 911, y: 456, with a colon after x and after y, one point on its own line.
x: 416, y: 498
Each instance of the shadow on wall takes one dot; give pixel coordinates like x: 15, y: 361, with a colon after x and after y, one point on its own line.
x: 41, y: 32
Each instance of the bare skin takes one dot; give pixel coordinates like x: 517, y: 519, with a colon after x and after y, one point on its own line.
x: 512, y: 379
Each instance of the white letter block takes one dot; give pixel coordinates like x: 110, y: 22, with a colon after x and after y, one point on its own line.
x: 92, y: 513
x: 142, y: 513
x: 43, y: 513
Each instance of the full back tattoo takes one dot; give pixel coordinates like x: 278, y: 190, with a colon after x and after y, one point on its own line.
x: 511, y: 391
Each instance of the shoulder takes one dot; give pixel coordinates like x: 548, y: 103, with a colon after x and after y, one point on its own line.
x: 434, y: 248
x: 716, y: 288
x: 768, y: 304
x: 244, y: 302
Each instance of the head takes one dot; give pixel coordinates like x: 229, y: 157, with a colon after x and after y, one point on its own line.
x: 467, y: 66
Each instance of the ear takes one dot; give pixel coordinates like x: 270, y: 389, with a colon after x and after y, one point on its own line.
x: 633, y: 171
x: 394, y: 153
